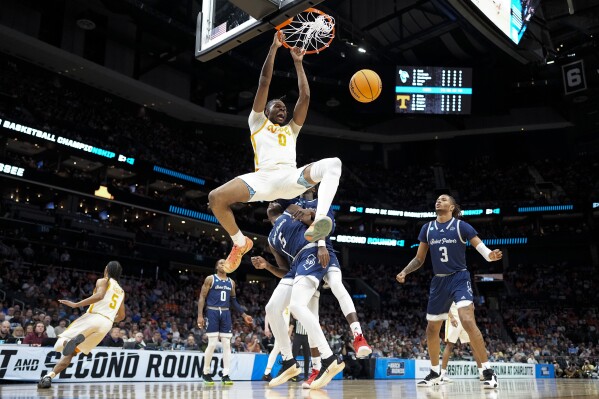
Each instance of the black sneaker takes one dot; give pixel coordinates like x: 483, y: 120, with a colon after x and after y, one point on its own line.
x: 331, y: 366
x: 207, y: 379
x: 45, y: 382
x: 433, y: 378
x: 289, y: 369
x: 267, y: 377
x: 70, y: 346
x: 226, y: 380
x: 490, y: 381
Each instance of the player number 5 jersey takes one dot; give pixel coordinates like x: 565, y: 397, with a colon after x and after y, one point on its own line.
x: 272, y: 144
x: 110, y: 304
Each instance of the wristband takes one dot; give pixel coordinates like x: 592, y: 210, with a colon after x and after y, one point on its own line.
x: 484, y: 251
x: 322, y: 243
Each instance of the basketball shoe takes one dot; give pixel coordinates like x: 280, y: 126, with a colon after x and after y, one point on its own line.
x: 361, y: 347
x: 289, y: 369
x: 490, y: 381
x: 306, y: 384
x: 70, y: 346
x: 267, y: 377
x: 319, y: 229
x: 45, y: 382
x: 445, y: 379
x: 207, y: 379
x: 433, y: 378
x: 226, y: 380
x: 331, y: 366
x: 234, y: 259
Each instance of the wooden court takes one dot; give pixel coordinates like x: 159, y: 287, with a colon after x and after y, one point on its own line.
x: 357, y: 389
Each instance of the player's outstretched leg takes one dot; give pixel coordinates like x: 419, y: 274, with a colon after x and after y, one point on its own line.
x: 327, y: 172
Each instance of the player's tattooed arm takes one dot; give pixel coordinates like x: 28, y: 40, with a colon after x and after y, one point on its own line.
x: 414, y: 264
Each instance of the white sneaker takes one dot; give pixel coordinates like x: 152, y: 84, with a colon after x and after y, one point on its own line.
x: 445, y: 379
x: 319, y: 229
x: 433, y: 378
x: 490, y: 381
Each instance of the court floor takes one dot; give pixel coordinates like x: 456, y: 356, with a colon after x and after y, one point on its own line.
x: 357, y: 389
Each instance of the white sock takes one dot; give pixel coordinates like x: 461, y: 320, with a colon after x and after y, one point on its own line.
x: 226, y: 354
x: 443, y: 371
x: 480, y: 371
x: 238, y: 239
x: 436, y: 369
x: 303, y: 289
x: 51, y: 374
x: 486, y: 365
x: 316, y: 364
x: 208, y: 354
x: 327, y: 172
x: 355, y: 328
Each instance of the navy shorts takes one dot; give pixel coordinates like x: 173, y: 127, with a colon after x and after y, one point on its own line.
x: 218, y: 321
x: 307, y: 264
x: 445, y: 290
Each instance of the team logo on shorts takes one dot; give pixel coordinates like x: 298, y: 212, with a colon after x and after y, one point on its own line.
x: 310, y: 261
x: 469, y: 288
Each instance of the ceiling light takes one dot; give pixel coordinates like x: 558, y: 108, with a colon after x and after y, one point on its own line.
x: 361, y: 50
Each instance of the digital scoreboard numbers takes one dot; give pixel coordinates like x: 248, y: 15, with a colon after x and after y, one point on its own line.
x: 433, y: 90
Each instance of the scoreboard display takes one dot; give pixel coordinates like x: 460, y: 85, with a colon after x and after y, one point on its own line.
x: 433, y: 90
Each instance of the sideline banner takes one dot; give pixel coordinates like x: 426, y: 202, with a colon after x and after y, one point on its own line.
x: 25, y: 363
x: 393, y: 369
x: 465, y: 369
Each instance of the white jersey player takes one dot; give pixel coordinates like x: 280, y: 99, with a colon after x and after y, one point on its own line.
x: 85, y: 333
x: 276, y: 173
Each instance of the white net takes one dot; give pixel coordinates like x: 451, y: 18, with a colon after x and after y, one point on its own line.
x: 311, y: 31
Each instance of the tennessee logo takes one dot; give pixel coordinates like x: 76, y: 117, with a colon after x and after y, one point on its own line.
x: 276, y: 129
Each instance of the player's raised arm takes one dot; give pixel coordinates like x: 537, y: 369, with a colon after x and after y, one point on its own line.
x: 490, y: 256
x: 202, y: 300
x: 98, y: 295
x: 301, y: 107
x: 414, y: 264
x: 266, y: 75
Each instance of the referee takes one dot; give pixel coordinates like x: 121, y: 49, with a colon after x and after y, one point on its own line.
x: 300, y: 339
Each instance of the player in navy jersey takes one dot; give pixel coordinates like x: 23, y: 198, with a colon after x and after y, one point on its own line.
x: 218, y: 294
x: 308, y: 265
x: 446, y: 236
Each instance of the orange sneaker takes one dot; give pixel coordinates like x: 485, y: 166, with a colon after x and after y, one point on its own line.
x: 234, y: 259
x: 306, y: 384
x: 319, y: 229
x: 361, y: 347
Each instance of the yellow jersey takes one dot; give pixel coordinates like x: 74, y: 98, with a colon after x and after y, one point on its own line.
x: 110, y: 304
x: 273, y: 144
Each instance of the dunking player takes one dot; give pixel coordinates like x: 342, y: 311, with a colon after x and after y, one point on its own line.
x: 85, y: 333
x: 276, y: 174
x: 218, y: 294
x: 454, y: 331
x: 446, y: 237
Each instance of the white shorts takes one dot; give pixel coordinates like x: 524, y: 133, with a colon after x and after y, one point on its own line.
x: 279, y: 181
x: 93, y: 326
x: 452, y: 334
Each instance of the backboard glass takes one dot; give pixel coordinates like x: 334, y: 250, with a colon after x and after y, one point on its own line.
x: 222, y: 25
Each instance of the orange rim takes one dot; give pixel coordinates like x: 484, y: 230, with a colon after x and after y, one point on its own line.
x: 309, y: 10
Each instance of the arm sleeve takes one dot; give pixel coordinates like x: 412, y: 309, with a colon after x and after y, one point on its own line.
x: 235, y: 305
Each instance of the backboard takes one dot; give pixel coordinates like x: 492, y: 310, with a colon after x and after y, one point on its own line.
x: 223, y: 25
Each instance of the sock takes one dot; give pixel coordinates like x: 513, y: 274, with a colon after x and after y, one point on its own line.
x: 327, y: 172
x: 267, y: 371
x: 208, y: 354
x: 226, y: 341
x: 486, y: 365
x: 238, y: 239
x: 443, y: 371
x: 316, y: 364
x: 355, y: 328
x: 436, y: 369
x: 51, y: 374
x: 480, y: 371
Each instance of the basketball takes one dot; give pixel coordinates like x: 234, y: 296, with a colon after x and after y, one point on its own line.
x: 365, y: 86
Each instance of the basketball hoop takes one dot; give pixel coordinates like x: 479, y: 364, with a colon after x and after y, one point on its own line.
x: 311, y: 30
